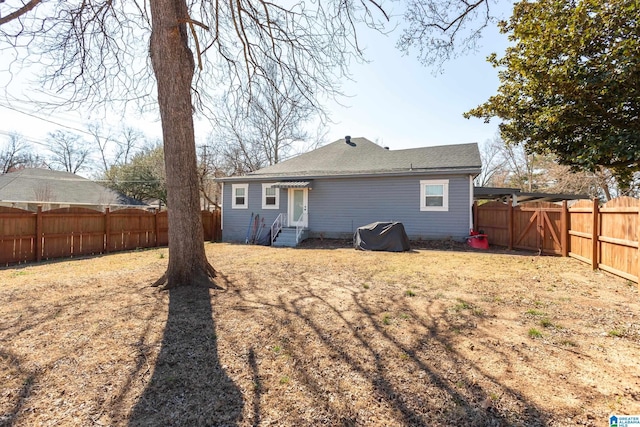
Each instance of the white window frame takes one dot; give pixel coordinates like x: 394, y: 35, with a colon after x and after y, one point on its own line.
x: 235, y: 187
x: 445, y: 195
x: 264, y: 197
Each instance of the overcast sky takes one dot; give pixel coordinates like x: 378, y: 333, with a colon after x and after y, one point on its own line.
x: 393, y: 100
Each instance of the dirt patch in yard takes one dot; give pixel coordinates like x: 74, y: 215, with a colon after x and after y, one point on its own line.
x: 320, y: 335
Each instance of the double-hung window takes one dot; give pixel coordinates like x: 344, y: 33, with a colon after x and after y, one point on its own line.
x: 434, y: 195
x: 270, y: 197
x: 240, y: 196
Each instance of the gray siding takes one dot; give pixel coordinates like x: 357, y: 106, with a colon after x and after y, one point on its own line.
x: 236, y: 221
x: 337, y: 207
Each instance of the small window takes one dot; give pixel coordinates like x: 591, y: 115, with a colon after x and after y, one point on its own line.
x: 434, y: 195
x: 270, y: 197
x: 240, y: 196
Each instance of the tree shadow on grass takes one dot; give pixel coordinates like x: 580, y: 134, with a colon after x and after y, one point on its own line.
x: 11, y: 367
x: 332, y: 355
x: 189, y: 387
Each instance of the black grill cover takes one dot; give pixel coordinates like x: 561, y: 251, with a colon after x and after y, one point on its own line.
x: 382, y: 236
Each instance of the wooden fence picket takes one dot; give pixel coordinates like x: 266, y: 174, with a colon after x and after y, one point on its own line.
x: 606, y: 237
x: 27, y: 236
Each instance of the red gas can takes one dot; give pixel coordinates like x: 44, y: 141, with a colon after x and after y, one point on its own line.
x: 477, y: 240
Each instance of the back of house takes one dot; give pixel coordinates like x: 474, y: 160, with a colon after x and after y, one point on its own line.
x: 331, y: 191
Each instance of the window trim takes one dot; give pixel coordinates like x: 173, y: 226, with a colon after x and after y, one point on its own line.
x: 445, y: 195
x: 235, y: 187
x: 264, y: 197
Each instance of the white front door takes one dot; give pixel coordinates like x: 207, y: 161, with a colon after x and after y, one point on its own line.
x: 298, y: 199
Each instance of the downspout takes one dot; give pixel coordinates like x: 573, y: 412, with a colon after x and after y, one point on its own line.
x: 222, y: 206
x: 471, y: 202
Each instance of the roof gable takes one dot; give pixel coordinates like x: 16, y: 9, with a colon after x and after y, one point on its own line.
x: 361, y: 156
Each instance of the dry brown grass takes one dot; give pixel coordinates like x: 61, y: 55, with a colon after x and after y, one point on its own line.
x: 319, y: 336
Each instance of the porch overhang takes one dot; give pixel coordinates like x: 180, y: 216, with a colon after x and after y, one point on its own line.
x: 292, y: 184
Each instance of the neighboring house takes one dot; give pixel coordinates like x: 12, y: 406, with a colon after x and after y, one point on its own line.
x: 331, y: 191
x: 29, y: 188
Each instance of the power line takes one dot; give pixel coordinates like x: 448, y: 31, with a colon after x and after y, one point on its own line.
x: 65, y: 116
x: 49, y: 121
x: 27, y: 138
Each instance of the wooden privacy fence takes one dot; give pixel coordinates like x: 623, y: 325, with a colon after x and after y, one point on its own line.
x: 33, y: 236
x: 532, y: 226
x: 606, y: 237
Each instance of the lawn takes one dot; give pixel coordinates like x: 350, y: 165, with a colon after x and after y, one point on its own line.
x: 319, y: 335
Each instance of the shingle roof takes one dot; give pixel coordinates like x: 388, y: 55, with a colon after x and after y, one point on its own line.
x: 43, y: 185
x: 362, y: 156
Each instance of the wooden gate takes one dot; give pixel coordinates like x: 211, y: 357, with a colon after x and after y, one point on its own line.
x: 538, y: 227
x: 606, y: 237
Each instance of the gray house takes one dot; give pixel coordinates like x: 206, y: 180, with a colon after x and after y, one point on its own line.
x: 331, y: 191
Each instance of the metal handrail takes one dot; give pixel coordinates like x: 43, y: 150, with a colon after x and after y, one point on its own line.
x: 277, y: 226
x: 281, y: 221
x: 300, y: 226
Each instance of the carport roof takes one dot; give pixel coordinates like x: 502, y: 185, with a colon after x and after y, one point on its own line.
x: 501, y: 193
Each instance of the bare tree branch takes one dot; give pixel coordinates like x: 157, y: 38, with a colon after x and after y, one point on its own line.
x: 68, y: 151
x: 444, y: 29
x: 20, y: 12
x: 15, y: 154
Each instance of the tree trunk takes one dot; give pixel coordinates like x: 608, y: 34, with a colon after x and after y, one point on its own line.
x: 173, y: 65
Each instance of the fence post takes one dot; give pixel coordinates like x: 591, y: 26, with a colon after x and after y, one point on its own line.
x: 510, y: 221
x: 107, y: 229
x: 595, y: 235
x: 218, y: 234
x: 39, y: 238
x: 157, y: 227
x: 564, y: 225
x: 203, y: 214
x: 213, y: 226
